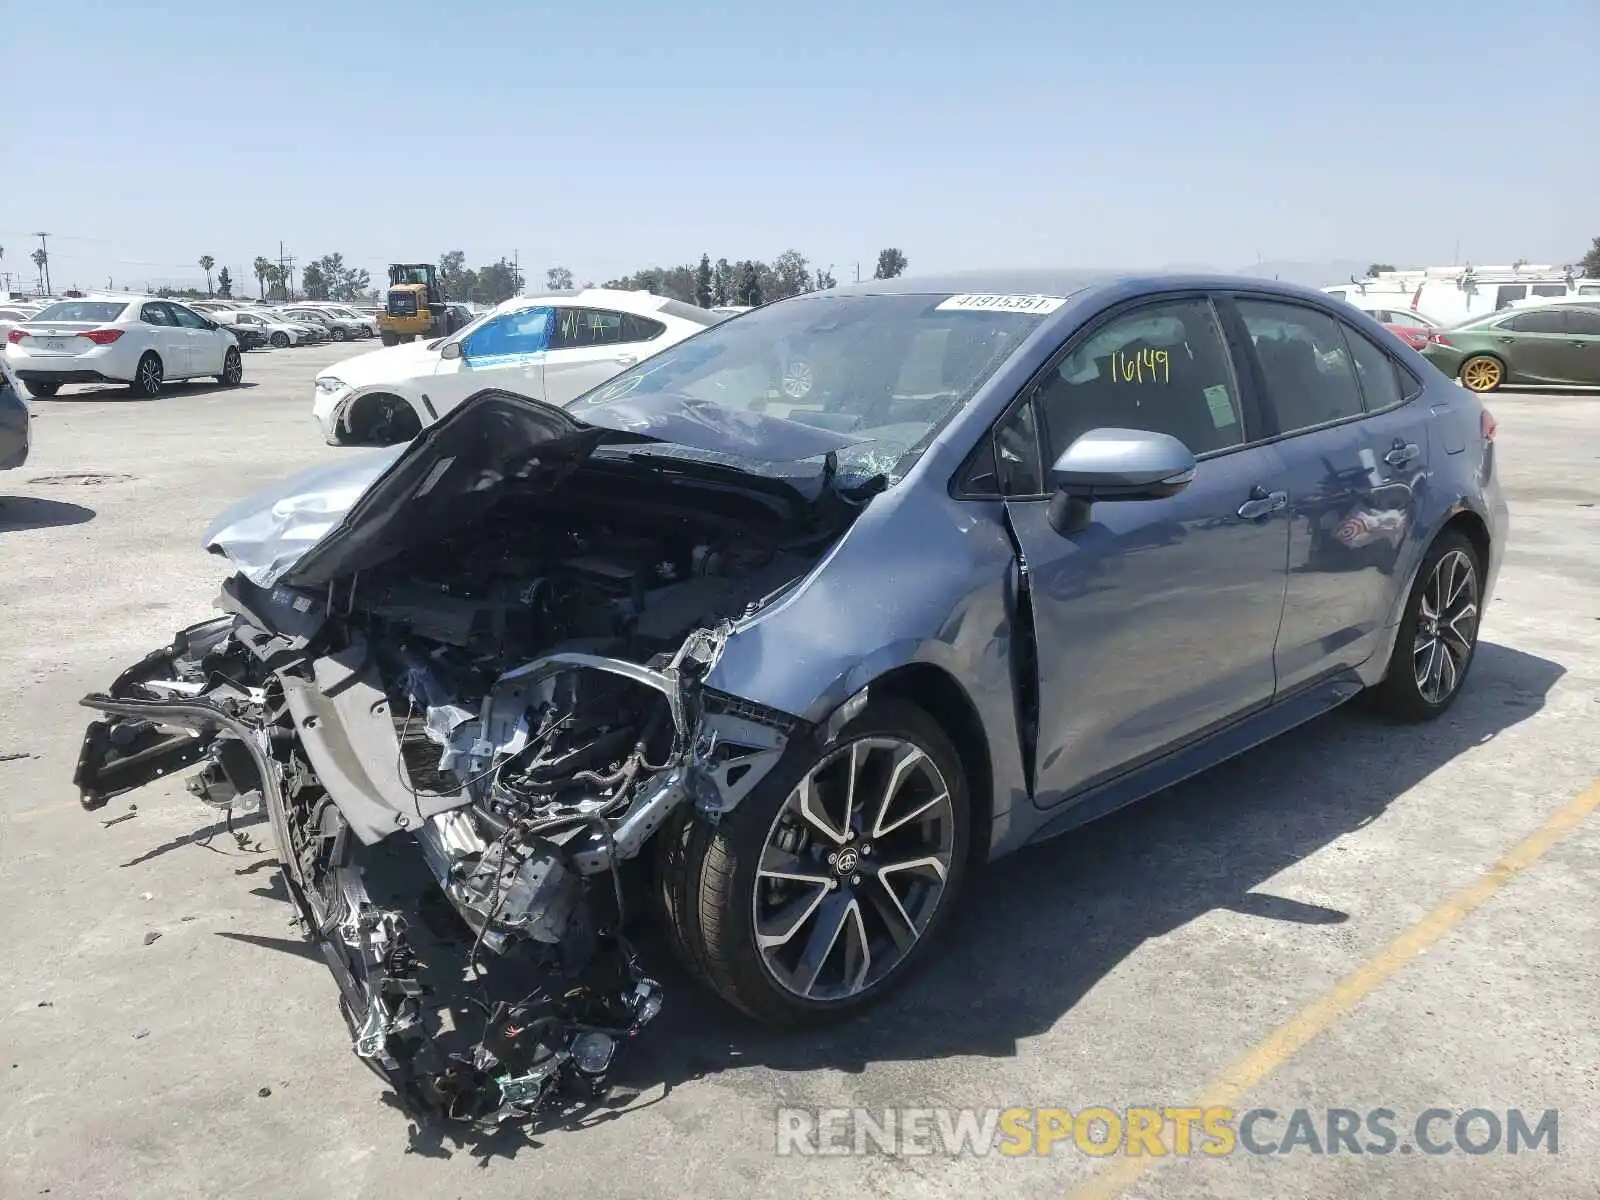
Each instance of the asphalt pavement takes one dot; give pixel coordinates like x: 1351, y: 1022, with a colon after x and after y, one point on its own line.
x: 1354, y: 917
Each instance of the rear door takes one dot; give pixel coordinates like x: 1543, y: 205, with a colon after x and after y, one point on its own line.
x: 1356, y: 441
x: 1536, y: 346
x: 168, y: 338
x: 590, y: 345
x: 1583, y: 336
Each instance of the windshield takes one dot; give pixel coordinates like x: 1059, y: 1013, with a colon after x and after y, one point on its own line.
x: 80, y: 310
x: 888, y: 371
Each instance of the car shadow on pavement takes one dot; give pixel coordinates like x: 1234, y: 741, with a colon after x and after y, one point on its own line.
x: 1038, y: 930
x: 32, y: 512
x: 122, y: 394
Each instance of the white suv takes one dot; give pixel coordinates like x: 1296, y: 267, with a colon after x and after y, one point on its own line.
x: 552, y: 348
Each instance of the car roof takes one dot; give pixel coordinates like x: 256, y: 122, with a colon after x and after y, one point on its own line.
x: 616, y: 298
x: 1067, y: 281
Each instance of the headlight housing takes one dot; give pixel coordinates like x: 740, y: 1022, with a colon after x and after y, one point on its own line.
x: 328, y: 385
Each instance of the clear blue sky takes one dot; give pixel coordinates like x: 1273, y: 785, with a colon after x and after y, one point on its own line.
x: 614, y: 135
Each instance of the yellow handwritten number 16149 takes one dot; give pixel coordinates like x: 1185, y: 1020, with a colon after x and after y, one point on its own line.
x: 1142, y: 366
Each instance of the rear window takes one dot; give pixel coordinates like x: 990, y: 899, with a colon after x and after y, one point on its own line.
x: 688, y: 312
x: 81, y: 310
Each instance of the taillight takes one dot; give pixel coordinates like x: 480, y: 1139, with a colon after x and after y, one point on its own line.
x: 15, y: 336
x: 1438, y: 339
x: 102, y: 337
x: 1487, y: 425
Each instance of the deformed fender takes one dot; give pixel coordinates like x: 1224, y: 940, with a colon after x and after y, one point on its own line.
x: 879, y: 603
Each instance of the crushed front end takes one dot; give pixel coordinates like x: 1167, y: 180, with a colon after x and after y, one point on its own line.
x: 463, y: 747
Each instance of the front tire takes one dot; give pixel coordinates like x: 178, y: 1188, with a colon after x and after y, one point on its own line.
x: 232, y: 368
x: 148, y: 376
x: 390, y: 339
x: 339, y: 334
x: 280, y: 340
x: 821, y: 891
x: 42, y: 389
x: 1482, y: 373
x: 1438, y: 635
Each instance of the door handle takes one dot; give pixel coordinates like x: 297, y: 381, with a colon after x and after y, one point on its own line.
x: 1402, y: 453
x: 1262, y: 503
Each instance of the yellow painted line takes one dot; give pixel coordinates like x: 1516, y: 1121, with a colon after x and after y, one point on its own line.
x: 1284, y: 1042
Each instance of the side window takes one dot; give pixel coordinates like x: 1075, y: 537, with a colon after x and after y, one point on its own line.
x: 1549, y: 289
x: 186, y: 318
x: 1163, y: 367
x: 1538, y: 320
x: 1376, y: 372
x: 155, y: 314
x: 1509, y: 292
x: 640, y: 329
x: 1304, y: 363
x: 1583, y: 322
x: 515, y: 333
x: 579, y: 327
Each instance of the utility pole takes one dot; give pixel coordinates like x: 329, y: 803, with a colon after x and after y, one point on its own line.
x: 46, y: 249
x: 858, y: 272
x: 286, y: 269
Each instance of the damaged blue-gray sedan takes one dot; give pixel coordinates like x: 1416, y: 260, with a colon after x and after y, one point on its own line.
x: 782, y: 632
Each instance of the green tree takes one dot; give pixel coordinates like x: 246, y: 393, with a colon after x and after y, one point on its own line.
x: 495, y: 282
x: 791, y: 275
x: 825, y: 280
x: 891, y: 263
x: 557, y: 279
x: 314, y: 282
x: 225, y: 284
x: 1589, y: 264
x: 454, y: 275
x: 702, y: 282
x: 206, y: 263
x: 40, y: 261
x: 722, y: 282
x: 261, y: 266
x: 277, y: 282
x: 747, y: 286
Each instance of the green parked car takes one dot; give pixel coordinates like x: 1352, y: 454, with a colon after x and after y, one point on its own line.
x: 1549, y: 344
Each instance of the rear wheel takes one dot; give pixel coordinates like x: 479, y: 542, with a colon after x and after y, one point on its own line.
x: 1482, y: 373
x: 829, y: 881
x: 232, y: 368
x: 1438, y: 635
x: 390, y: 339
x: 148, y: 375
x: 43, y: 389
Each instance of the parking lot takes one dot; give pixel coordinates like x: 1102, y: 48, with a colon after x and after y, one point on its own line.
x: 1249, y: 939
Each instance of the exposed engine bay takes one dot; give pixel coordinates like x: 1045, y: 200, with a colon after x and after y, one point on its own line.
x: 522, y: 701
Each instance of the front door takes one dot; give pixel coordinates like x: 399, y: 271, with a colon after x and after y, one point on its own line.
x: 205, y: 345
x: 170, y: 341
x: 1156, y: 622
x: 507, y: 352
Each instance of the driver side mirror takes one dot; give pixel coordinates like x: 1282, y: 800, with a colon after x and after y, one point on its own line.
x: 451, y: 350
x: 1116, y: 464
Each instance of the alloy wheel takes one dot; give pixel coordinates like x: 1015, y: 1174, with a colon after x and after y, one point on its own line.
x: 1482, y: 374
x: 232, y: 367
x: 1447, y: 627
x: 149, y: 375
x: 853, y: 869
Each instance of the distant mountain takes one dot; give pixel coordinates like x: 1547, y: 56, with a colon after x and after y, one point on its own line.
x: 1307, y: 274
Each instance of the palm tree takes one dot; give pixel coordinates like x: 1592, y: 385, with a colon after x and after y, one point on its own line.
x: 206, y: 263
x: 274, y: 275
x: 261, y: 266
x: 40, y: 258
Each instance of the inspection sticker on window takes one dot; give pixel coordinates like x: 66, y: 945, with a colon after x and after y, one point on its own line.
x: 1036, y: 305
x: 1222, y: 414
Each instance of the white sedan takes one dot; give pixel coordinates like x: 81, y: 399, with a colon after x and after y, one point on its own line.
x: 139, y: 340
x: 277, y: 330
x: 552, y: 348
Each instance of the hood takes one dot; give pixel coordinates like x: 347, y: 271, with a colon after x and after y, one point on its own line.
x: 358, y: 513
x: 385, y: 365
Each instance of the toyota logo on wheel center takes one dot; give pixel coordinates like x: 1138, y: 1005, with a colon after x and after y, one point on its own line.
x: 847, y: 861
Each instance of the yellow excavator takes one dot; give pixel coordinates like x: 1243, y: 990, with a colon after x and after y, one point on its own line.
x: 415, y: 305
